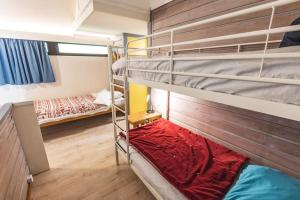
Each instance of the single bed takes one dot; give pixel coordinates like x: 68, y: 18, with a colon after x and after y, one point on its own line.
x: 59, y: 110
x: 178, y: 164
x: 285, y: 68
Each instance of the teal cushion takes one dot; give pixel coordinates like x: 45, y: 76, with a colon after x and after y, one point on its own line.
x: 264, y: 183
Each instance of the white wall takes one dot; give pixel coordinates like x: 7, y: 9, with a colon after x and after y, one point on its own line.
x: 75, y: 75
x: 40, y: 16
x: 53, y: 37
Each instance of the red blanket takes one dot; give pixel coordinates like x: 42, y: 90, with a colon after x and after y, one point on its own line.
x: 62, y: 107
x: 198, y: 167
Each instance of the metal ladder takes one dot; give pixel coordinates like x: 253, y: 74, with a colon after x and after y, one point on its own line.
x: 116, y: 127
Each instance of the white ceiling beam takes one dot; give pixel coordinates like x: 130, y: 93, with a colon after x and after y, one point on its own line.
x: 121, y: 8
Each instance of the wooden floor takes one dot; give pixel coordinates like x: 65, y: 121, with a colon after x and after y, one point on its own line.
x: 82, y: 161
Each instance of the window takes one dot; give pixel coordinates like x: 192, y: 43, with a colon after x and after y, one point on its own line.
x: 69, y: 49
x: 46, y: 47
x: 80, y: 49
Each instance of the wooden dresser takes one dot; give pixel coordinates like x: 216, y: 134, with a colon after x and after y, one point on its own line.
x: 13, y: 166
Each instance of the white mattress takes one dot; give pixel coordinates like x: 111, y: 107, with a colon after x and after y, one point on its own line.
x: 273, y: 68
x: 166, y: 190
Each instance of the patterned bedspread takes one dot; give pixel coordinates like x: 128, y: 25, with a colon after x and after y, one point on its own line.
x: 61, y: 108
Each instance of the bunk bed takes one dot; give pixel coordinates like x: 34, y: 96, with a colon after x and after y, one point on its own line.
x: 220, y: 77
x: 253, y: 81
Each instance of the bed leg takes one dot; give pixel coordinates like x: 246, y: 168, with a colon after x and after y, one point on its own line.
x: 117, y: 155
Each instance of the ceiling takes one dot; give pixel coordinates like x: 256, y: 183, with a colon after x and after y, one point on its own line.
x: 106, y: 23
x: 69, y: 17
x: 37, y: 16
x: 117, y: 16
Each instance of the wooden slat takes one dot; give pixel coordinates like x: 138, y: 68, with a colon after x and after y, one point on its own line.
x: 283, y: 10
x: 237, y: 26
x: 261, y: 116
x: 184, y: 12
x: 20, y: 180
x: 8, y: 140
x: 266, y: 139
x: 279, y: 10
x: 8, y: 152
x: 177, y: 7
x: 222, y: 132
x: 215, y: 8
x: 270, y: 136
x: 241, y: 142
x: 15, y: 181
x: 13, y: 167
x: 6, y: 128
x: 256, y: 159
x: 9, y: 169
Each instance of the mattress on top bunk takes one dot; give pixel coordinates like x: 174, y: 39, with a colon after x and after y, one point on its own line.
x: 194, y: 165
x: 119, y: 67
x: 273, y: 68
x: 56, y: 109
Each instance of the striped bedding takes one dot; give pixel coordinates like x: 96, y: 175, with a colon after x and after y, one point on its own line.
x: 61, y: 108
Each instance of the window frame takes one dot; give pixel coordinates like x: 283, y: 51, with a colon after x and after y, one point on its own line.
x: 53, y: 50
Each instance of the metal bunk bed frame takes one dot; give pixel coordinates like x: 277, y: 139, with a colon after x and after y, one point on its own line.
x: 284, y: 110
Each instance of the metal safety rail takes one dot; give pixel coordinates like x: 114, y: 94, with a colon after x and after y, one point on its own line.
x: 237, y: 55
x: 289, y: 111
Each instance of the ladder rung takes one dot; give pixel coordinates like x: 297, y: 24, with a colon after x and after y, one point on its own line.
x: 119, y: 78
x: 119, y: 86
x: 120, y: 109
x: 119, y: 127
x: 120, y: 147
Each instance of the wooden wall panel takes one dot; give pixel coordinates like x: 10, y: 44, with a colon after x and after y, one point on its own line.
x: 266, y: 139
x: 13, y: 166
x: 205, y: 9
x: 178, y: 13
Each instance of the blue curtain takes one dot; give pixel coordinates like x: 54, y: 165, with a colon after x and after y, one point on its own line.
x: 24, y: 62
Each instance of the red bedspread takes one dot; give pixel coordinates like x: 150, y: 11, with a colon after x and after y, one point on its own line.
x: 50, y: 109
x: 198, y: 167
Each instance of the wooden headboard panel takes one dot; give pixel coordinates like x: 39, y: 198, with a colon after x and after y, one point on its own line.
x: 13, y: 165
x: 267, y: 140
x: 180, y: 12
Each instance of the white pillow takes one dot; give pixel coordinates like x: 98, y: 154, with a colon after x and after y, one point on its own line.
x: 104, y: 97
x: 118, y: 94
